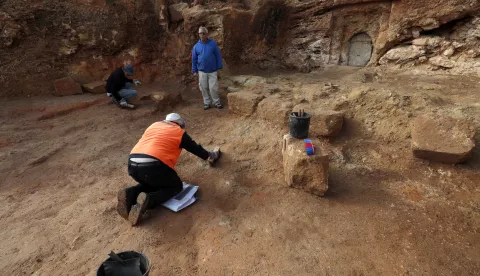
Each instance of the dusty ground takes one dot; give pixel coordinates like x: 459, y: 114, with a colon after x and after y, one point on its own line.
x: 386, y: 213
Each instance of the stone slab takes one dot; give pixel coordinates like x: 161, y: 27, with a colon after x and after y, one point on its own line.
x: 309, y: 173
x: 442, y: 139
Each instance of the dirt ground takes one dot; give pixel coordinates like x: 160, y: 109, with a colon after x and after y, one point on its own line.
x: 386, y: 212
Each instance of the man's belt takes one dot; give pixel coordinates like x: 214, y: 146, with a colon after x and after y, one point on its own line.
x: 142, y: 160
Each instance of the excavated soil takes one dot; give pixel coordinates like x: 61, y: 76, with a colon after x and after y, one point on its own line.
x: 386, y: 212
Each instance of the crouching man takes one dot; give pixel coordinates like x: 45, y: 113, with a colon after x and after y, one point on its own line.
x: 119, y: 86
x: 152, y: 164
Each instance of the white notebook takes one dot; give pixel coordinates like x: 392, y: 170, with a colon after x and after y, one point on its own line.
x: 183, y: 199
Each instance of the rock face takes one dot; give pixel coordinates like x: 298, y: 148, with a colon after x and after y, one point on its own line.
x: 329, y: 32
x: 67, y: 86
x: 9, y: 30
x: 309, y: 173
x: 453, y: 48
x: 442, y: 62
x: 243, y: 103
x: 176, y: 12
x: 442, y: 139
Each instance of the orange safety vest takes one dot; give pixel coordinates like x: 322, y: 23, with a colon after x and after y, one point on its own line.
x: 162, y: 141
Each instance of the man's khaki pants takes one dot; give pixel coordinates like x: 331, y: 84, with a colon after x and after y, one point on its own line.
x: 209, y: 82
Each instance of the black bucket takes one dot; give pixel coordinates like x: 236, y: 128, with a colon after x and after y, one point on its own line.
x: 144, y: 262
x: 299, y: 125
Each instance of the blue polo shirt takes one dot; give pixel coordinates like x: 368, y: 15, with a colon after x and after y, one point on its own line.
x: 206, y: 57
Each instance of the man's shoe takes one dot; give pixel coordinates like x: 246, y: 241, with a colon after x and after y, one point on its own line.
x: 219, y: 106
x: 129, y: 106
x: 206, y: 106
x: 115, y: 101
x: 126, y: 198
x: 125, y: 104
x: 138, y: 209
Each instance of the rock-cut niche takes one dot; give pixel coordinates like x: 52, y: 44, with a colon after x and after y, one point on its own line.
x: 360, y: 50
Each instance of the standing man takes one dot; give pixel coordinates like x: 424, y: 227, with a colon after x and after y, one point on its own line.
x: 152, y: 164
x: 119, y: 86
x: 206, y: 61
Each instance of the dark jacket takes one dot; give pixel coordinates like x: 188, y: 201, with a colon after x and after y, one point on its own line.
x: 116, y: 82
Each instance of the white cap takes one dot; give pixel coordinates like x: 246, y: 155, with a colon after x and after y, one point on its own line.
x: 176, y: 118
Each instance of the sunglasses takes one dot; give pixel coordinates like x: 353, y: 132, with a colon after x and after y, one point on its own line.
x: 201, y: 33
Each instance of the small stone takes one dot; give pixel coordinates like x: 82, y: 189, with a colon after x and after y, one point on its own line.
x: 232, y: 89
x: 473, y: 53
x: 442, y: 61
x: 449, y: 52
x: 457, y: 45
x: 415, y: 33
x: 421, y: 41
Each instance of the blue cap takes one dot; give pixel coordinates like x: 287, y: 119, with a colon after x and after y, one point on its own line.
x: 128, y: 69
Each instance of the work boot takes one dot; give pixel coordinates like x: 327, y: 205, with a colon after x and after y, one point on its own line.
x: 124, y: 104
x: 114, y: 101
x: 126, y: 198
x: 138, y: 209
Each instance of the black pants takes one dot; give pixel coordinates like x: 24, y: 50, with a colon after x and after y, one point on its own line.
x: 156, y: 179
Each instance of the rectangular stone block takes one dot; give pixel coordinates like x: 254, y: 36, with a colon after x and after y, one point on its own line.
x: 243, y: 103
x: 66, y: 86
x: 274, y: 110
x: 302, y: 171
x: 96, y: 87
x: 442, y: 139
